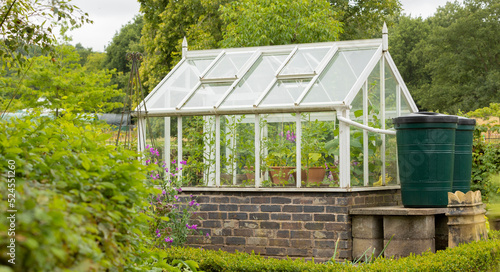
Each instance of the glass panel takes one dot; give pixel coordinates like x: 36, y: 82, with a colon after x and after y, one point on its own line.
x: 305, y: 61
x: 390, y: 96
x: 374, y: 159
x: 237, y: 150
x: 405, y: 106
x: 279, y: 144
x: 255, y: 81
x: 374, y: 97
x: 285, y: 92
x: 391, y: 170
x: 356, y: 142
x: 184, y: 79
x: 333, y: 84
x: 358, y: 59
x: 198, y: 150
x: 356, y: 112
x: 229, y: 65
x: 319, y: 150
x: 207, y: 95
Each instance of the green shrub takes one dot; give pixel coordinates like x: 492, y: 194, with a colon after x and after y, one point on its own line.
x: 76, y: 197
x: 476, y: 256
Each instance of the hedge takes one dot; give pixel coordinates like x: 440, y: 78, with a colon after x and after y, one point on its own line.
x: 475, y: 256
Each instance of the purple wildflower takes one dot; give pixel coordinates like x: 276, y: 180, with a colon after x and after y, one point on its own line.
x: 169, y: 240
x: 184, y: 162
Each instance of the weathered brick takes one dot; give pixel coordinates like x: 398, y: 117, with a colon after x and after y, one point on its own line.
x: 258, y: 216
x: 249, y: 224
x: 269, y: 225
x: 243, y: 232
x: 341, y: 218
x: 263, y: 233
x: 216, y: 240
x: 275, y: 251
x: 293, y: 208
x: 228, y: 207
x: 249, y: 208
x: 283, y: 234
x: 337, y: 209
x: 335, y: 226
x: 270, y: 208
x: 281, y: 216
x: 257, y: 241
x: 291, y: 225
x: 202, y: 215
x: 302, y: 201
x: 324, y: 217
x: 297, y: 252
x: 314, y: 226
x: 279, y: 242
x: 260, y: 200
x: 222, y: 232
x: 314, y: 208
x: 235, y: 241
x: 202, y: 199
x: 301, y: 243
x: 254, y: 249
x: 239, y: 200
x: 280, y: 200
x: 322, y: 253
x: 209, y: 207
x: 301, y: 217
x: 324, y: 244
x: 323, y: 235
x: 217, y: 215
x: 238, y: 216
x: 218, y: 199
x: 231, y: 224
x: 359, y: 200
x: 212, y: 224
x: 343, y: 201
x: 300, y: 234
x: 344, y: 235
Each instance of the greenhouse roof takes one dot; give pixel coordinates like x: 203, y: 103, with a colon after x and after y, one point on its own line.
x: 286, y: 78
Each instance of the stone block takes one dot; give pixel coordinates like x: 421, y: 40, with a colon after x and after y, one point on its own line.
x: 257, y: 241
x: 279, y: 242
x: 409, y: 227
x: 300, y: 234
x: 403, y: 247
x: 281, y: 216
x: 361, y: 245
x: 367, y: 226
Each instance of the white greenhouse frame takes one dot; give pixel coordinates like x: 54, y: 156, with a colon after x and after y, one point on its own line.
x: 228, y: 69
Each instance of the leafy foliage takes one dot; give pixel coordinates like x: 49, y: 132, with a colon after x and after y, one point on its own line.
x: 60, y: 83
x: 25, y: 23
x: 274, y: 22
x: 77, y: 197
x: 362, y: 19
x: 451, y: 59
x: 475, y: 256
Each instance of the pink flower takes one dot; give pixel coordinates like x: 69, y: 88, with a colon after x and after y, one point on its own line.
x: 208, y: 235
x: 184, y: 162
x: 169, y: 240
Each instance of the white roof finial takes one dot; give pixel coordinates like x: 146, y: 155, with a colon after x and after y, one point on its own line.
x: 385, y: 38
x: 184, y: 47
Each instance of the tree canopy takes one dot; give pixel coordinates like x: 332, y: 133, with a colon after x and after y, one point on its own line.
x: 25, y: 23
x: 451, y: 61
x: 60, y: 83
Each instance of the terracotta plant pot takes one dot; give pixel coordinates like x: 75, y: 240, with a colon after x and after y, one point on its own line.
x: 315, y: 175
x: 250, y: 173
x: 281, y: 174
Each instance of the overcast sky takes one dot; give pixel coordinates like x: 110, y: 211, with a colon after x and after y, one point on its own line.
x: 110, y: 15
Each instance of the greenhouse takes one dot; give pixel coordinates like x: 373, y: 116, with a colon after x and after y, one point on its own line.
x: 301, y: 115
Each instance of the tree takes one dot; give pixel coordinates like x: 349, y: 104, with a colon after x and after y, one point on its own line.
x: 274, y: 22
x: 60, y: 83
x: 363, y: 19
x: 404, y: 37
x: 25, y: 23
x: 462, y: 55
x: 166, y: 22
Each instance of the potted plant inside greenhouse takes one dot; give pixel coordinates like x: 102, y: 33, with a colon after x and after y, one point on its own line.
x: 281, y: 154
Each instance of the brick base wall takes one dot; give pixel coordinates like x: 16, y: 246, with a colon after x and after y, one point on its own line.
x: 283, y: 224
